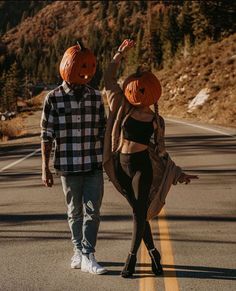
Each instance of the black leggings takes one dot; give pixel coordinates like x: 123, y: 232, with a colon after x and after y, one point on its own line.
x: 135, y: 176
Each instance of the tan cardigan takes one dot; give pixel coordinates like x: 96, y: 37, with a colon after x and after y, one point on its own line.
x: 165, y: 172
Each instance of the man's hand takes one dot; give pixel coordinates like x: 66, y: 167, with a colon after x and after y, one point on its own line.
x: 47, y: 177
x: 185, y: 178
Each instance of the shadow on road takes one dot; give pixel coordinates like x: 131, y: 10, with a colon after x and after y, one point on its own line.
x: 28, y: 135
x: 200, y: 272
x: 20, y: 219
x: 179, y: 271
x: 185, y: 145
x: 31, y: 217
x: 138, y: 273
x: 115, y: 217
x: 17, y: 149
x: 199, y: 218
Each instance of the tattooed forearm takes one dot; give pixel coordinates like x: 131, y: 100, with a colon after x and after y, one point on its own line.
x: 46, y: 148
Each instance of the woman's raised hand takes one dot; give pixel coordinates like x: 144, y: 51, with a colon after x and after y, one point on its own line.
x: 126, y: 45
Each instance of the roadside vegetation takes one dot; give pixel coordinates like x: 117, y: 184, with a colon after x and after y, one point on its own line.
x: 15, y: 127
x: 12, y: 128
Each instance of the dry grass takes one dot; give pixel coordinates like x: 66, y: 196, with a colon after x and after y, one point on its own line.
x: 12, y: 128
x: 37, y: 101
x: 16, y: 127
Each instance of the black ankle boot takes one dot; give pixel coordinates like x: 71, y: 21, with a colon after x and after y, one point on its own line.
x: 129, y: 266
x: 156, y: 265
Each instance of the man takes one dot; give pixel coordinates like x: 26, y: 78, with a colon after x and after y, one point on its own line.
x: 73, y: 117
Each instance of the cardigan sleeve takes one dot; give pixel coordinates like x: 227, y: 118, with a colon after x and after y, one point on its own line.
x: 114, y: 92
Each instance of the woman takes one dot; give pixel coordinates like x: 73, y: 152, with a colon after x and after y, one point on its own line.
x: 130, y: 125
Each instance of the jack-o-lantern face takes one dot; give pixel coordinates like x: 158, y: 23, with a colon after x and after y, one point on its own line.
x: 78, y: 65
x: 142, y: 89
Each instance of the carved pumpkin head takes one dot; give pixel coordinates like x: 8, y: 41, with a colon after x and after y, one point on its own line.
x: 78, y: 65
x: 142, y: 88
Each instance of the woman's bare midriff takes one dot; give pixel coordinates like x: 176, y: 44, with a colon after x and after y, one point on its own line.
x: 130, y: 147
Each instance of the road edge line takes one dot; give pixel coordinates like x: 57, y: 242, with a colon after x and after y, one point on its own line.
x: 20, y: 160
x: 199, y: 126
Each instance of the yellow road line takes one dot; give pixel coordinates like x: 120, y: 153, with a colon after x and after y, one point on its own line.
x: 146, y: 283
x: 167, y: 258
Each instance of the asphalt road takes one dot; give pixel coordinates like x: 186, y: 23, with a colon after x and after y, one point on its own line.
x: 195, y: 233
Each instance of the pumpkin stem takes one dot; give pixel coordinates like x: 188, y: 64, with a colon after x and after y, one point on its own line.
x: 80, y: 44
x: 141, y: 69
x: 138, y: 72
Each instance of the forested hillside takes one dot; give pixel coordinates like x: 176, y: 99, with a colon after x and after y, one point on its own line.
x: 166, y: 33
x: 14, y: 12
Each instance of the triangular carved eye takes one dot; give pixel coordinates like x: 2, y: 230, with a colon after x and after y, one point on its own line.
x: 84, y: 66
x: 142, y: 90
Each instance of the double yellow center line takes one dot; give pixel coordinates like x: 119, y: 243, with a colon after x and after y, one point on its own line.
x: 150, y: 283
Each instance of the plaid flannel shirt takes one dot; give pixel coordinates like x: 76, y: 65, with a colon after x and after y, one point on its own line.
x: 77, y: 125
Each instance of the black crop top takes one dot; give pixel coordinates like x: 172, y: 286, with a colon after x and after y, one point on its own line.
x: 138, y: 131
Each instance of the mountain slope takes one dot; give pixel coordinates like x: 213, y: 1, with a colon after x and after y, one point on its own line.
x: 211, y: 66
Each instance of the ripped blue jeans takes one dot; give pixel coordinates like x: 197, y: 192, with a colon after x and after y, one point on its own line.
x: 83, y: 196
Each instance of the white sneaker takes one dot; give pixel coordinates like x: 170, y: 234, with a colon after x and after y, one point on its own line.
x: 76, y: 260
x: 89, y: 264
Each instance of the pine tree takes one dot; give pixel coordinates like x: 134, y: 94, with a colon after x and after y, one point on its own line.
x: 11, y: 89
x: 170, y: 36
x: 90, y: 6
x: 174, y: 33
x: 24, y: 16
x: 120, y: 20
x: 103, y: 9
x: 128, y: 9
x: 22, y: 41
x: 52, y: 67
x: 147, y: 55
x: 2, y: 100
x: 200, y: 21
x: 112, y: 9
x: 8, y: 27
x: 26, y: 84
x: 167, y: 54
x: 185, y: 20
x: 138, y: 46
x: 143, y: 5
x: 83, y: 4
x: 155, y: 39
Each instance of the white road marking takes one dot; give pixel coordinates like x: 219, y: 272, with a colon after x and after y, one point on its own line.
x: 20, y: 160
x: 200, y: 126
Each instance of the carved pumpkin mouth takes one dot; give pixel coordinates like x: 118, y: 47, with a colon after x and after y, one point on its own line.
x: 84, y: 77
